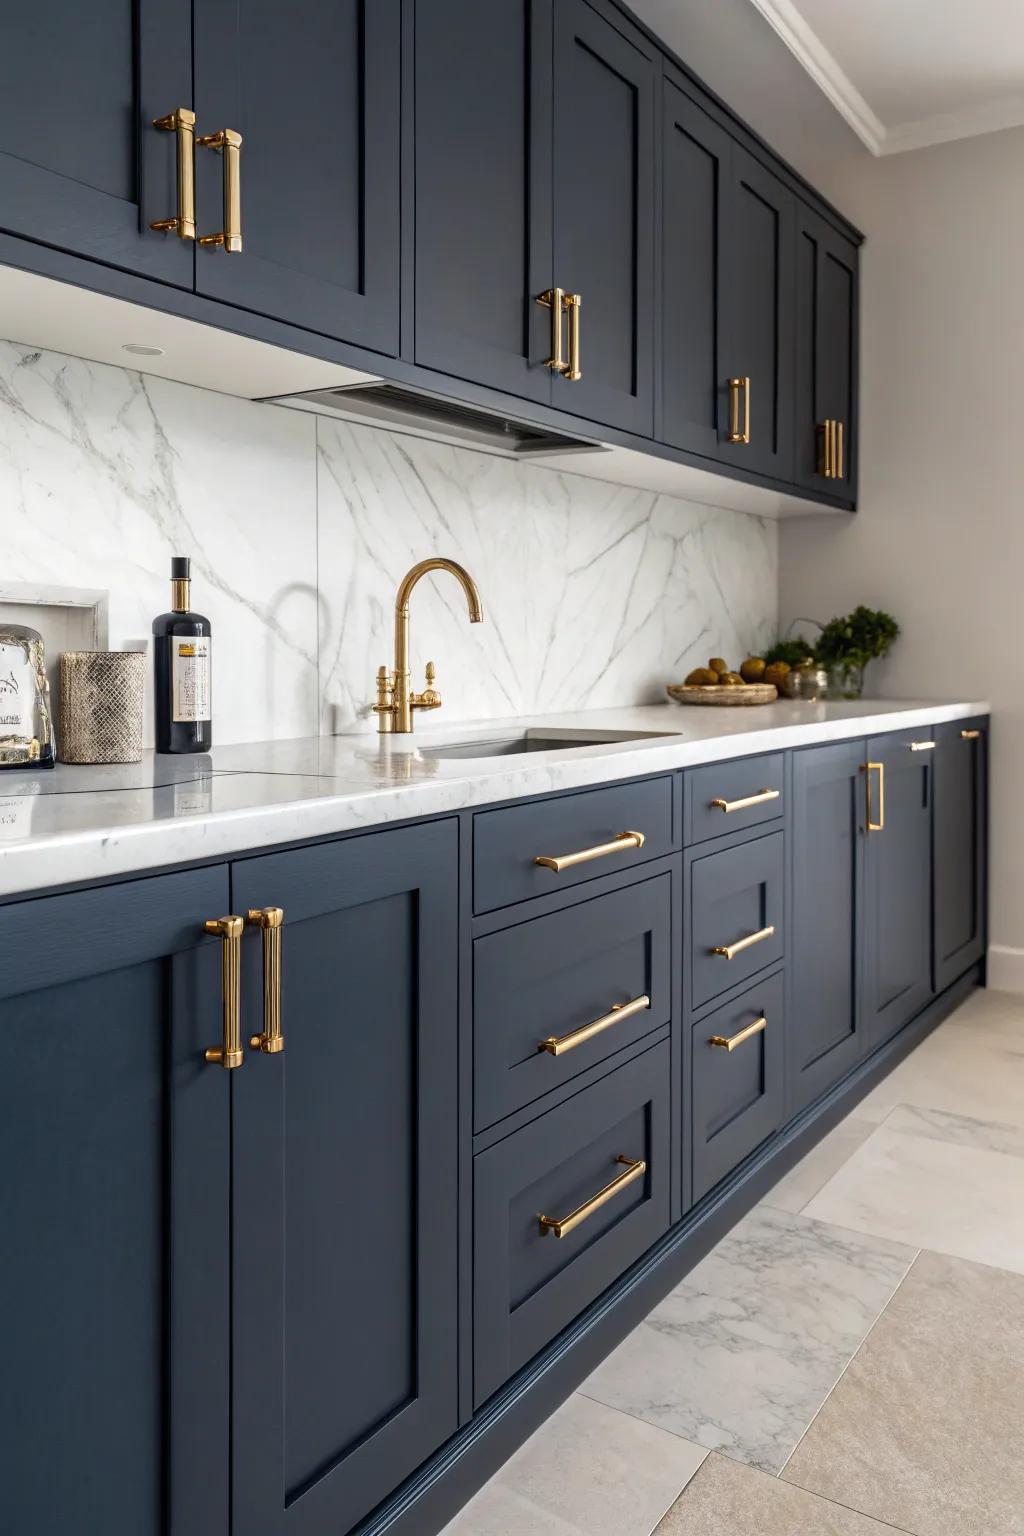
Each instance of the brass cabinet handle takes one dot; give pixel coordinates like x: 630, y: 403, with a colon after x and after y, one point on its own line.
x: 557, y: 1045
x: 729, y: 950
x: 619, y: 844
x: 554, y: 299
x: 761, y: 798
x: 922, y: 746
x: 562, y: 1227
x: 735, y: 434
x: 840, y: 465
x: 970, y: 735
x: 229, y: 931
x: 730, y: 1042
x: 182, y: 123
x: 230, y: 143
x: 573, y: 304
x: 867, y: 768
x: 827, y: 450
x: 269, y: 919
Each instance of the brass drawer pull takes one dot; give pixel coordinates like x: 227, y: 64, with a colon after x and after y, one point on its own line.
x: 621, y: 843
x: 730, y: 1042
x: 839, y: 461
x: 729, y: 950
x: 879, y: 825
x: 736, y: 434
x: 229, y: 931
x: 182, y: 123
x: 269, y: 920
x: 230, y: 143
x: 562, y: 1228
x: 761, y: 798
x: 573, y: 304
x: 830, y: 450
x: 554, y: 299
x: 970, y: 735
x: 922, y: 746
x: 557, y: 1045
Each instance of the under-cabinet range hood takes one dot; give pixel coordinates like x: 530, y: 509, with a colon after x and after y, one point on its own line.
x: 378, y: 403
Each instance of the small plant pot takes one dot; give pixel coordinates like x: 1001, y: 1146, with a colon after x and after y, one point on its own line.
x: 845, y: 682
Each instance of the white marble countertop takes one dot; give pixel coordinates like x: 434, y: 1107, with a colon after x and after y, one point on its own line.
x: 74, y: 824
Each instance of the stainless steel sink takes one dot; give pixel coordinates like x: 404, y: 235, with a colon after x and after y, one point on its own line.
x: 539, y: 739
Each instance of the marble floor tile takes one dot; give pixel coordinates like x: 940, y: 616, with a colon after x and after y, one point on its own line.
x: 740, y: 1356
x: 728, y: 1499
x: 801, y: 1183
x: 999, y: 1013
x: 589, y: 1471
x: 926, y: 1427
x: 954, y: 1194
x: 965, y: 1068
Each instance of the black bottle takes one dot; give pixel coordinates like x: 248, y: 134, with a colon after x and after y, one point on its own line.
x: 182, y: 668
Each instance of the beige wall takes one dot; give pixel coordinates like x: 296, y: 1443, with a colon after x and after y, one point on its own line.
x: 939, y: 538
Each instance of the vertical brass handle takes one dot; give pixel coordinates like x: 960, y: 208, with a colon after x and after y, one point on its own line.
x: 182, y: 123
x: 554, y: 299
x: 839, y: 462
x: 573, y: 304
x: 879, y: 825
x: 736, y: 434
x: 827, y: 450
x: 230, y: 144
x: 269, y: 920
x: 229, y: 931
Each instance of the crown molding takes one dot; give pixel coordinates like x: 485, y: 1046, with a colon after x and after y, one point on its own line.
x: 1007, y: 112
x: 807, y: 47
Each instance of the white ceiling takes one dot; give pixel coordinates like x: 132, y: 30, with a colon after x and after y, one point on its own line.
x: 906, y: 73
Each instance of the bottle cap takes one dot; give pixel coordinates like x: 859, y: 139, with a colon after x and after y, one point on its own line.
x: 180, y: 567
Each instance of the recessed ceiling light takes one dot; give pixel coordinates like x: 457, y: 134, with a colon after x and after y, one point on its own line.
x: 138, y: 350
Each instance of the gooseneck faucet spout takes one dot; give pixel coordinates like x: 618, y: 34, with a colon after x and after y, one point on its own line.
x: 395, y: 698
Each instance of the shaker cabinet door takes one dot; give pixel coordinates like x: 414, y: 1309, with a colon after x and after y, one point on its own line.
x: 313, y: 89
x: 483, y: 197
x: 825, y: 444
x: 345, y: 1202
x: 961, y: 852
x: 114, y: 1208
x: 82, y: 167
x: 605, y: 78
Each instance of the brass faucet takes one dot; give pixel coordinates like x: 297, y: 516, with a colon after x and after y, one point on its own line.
x: 395, y: 700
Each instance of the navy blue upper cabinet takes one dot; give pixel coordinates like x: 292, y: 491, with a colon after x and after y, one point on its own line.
x: 826, y: 358
x: 114, y: 1138
x: 345, y: 1205
x: 605, y: 77
x: 314, y: 91
x: 961, y: 832
x: 482, y: 210
x: 81, y: 166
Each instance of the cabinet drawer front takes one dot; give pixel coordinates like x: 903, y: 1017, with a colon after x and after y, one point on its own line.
x: 736, y: 897
x: 737, y: 1081
x: 728, y: 797
x: 507, y: 843
x: 528, y: 1282
x: 539, y: 986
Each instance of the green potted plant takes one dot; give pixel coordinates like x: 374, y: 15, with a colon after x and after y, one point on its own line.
x: 846, y: 645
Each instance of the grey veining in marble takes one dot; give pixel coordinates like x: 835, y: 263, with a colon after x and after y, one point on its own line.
x: 740, y: 1357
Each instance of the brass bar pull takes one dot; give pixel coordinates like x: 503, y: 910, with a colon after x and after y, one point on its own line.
x: 270, y: 920
x: 970, y: 735
x: 554, y: 299
x: 229, y: 931
x: 736, y: 435
x: 230, y: 144
x: 762, y: 796
x: 922, y: 746
x: 730, y: 1042
x: 827, y: 456
x: 562, y: 1227
x: 838, y: 462
x: 879, y: 825
x: 573, y: 304
x: 182, y: 123
x: 557, y: 1045
x: 729, y: 950
x: 619, y: 844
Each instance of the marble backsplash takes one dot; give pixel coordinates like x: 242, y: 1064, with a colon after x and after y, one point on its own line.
x: 300, y: 528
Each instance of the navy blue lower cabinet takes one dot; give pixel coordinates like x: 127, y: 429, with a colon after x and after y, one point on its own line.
x: 825, y: 1038
x: 736, y: 915
x: 114, y: 1284
x: 898, y: 884
x: 345, y: 1208
x: 960, y: 785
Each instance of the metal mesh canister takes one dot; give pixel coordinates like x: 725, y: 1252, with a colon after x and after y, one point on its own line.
x: 101, y: 700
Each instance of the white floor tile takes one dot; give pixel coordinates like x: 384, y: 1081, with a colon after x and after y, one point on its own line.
x: 803, y: 1182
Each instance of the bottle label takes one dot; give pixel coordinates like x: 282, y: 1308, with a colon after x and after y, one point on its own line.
x: 190, y: 678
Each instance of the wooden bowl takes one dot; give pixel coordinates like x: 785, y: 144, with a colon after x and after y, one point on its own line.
x: 723, y: 693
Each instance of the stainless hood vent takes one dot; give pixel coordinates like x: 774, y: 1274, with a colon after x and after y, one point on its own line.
x: 402, y: 409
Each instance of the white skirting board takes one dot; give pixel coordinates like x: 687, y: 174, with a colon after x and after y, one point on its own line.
x: 1005, y: 968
